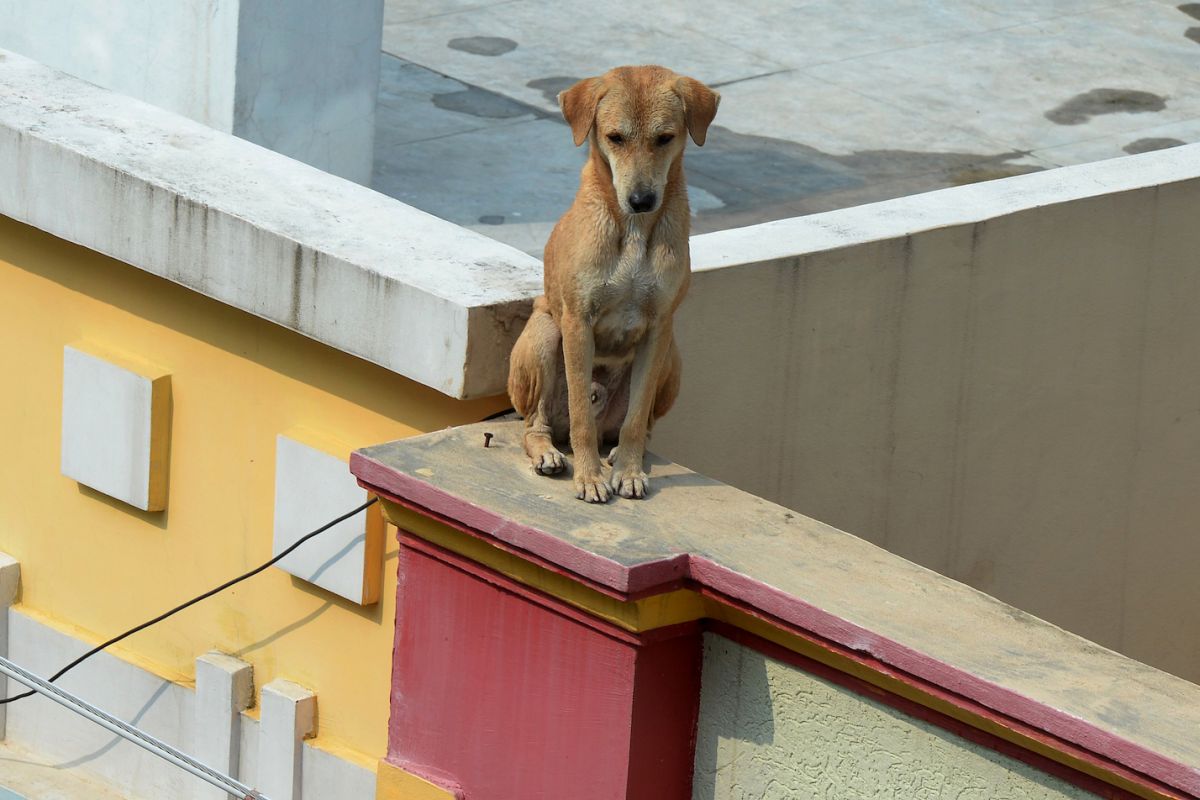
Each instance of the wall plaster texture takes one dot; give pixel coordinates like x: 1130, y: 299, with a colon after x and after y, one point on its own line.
x: 769, y: 731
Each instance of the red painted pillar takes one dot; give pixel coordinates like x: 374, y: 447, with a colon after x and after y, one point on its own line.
x: 514, y: 695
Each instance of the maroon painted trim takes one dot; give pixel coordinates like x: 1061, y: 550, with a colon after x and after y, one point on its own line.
x: 957, y: 727
x: 506, y: 584
x: 517, y: 693
x: 666, y: 710
x: 1111, y: 753
x: 544, y: 599
x: 617, y: 580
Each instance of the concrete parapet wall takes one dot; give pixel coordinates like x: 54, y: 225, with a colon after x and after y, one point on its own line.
x: 847, y: 656
x: 311, y: 252
x: 230, y: 64
x: 998, y: 381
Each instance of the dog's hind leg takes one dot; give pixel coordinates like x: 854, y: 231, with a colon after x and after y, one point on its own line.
x: 534, y: 377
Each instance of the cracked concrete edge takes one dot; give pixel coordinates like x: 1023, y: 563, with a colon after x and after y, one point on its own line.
x: 330, y: 259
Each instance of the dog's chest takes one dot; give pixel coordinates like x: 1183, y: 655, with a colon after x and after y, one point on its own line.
x: 626, y: 302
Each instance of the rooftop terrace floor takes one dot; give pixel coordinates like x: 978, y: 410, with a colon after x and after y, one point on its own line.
x: 825, y: 104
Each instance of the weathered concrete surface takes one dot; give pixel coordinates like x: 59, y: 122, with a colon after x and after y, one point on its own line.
x: 28, y: 775
x: 998, y: 381
x: 230, y: 64
x: 318, y: 107
x: 808, y: 574
x: 768, y: 731
x: 181, y: 56
x: 825, y: 104
x: 261, y: 232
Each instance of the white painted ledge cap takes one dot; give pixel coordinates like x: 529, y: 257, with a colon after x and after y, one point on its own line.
x: 256, y: 230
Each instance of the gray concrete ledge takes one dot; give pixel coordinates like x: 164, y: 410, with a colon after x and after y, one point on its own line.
x: 317, y: 254
x: 944, y: 208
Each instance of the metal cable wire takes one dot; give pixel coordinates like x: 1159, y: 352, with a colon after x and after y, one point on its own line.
x: 194, y: 600
x: 127, y: 731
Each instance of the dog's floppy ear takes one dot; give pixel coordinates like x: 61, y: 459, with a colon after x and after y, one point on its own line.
x: 699, y: 106
x: 579, y: 106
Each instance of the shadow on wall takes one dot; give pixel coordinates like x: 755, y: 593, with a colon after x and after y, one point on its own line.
x: 735, y: 708
x: 85, y: 758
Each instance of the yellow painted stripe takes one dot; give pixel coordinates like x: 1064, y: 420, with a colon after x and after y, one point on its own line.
x: 684, y: 605
x: 393, y: 783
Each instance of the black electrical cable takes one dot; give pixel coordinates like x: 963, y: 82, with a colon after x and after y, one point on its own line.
x: 195, y: 600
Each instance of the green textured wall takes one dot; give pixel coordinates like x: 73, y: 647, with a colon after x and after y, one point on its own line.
x: 769, y: 731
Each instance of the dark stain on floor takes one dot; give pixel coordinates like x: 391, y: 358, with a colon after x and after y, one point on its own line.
x: 1193, y: 34
x: 1150, y: 145
x: 756, y: 178
x: 483, y: 45
x: 480, y: 103
x: 1191, y: 9
x: 1082, y: 107
x: 550, y: 87
x: 747, y: 170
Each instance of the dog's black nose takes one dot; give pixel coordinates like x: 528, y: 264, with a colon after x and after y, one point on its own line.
x: 642, y: 200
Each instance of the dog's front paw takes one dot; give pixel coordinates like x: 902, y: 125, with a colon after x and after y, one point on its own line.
x: 550, y: 462
x: 631, y: 482
x: 591, y: 487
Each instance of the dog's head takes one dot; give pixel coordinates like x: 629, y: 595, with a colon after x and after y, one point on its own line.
x: 636, y: 118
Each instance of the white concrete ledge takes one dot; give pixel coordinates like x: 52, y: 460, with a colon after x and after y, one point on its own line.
x: 944, y: 208
x: 325, y: 257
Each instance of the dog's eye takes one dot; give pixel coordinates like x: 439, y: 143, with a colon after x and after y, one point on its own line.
x: 616, y: 138
x: 665, y: 139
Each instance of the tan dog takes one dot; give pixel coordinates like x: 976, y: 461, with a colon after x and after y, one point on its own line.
x: 597, y: 357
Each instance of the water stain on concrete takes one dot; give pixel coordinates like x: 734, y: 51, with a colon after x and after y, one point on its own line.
x: 483, y: 45
x: 1082, y: 107
x: 1191, y: 9
x: 480, y: 103
x: 491, y: 219
x: 745, y: 170
x: 550, y: 87
x: 1150, y: 145
x: 1193, y: 34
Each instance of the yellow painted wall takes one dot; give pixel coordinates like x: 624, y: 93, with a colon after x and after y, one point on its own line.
x: 94, y: 567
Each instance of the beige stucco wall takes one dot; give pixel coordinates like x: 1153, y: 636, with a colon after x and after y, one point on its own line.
x: 1013, y: 402
x: 769, y: 731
